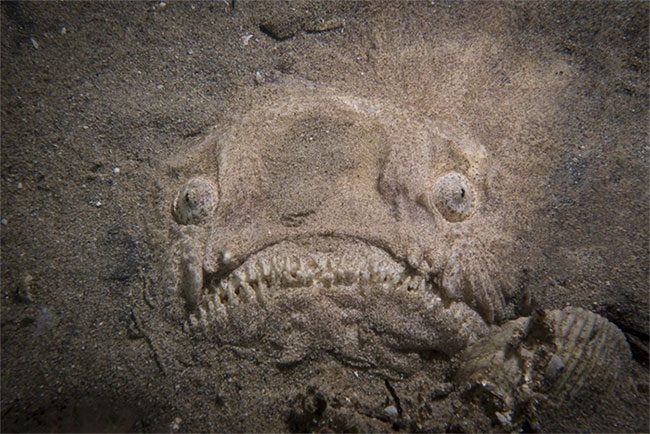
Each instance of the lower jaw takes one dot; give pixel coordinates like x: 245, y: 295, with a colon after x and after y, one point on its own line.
x: 364, y: 326
x: 355, y: 304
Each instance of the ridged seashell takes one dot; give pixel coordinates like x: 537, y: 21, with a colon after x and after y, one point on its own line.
x: 590, y: 347
x: 561, y: 354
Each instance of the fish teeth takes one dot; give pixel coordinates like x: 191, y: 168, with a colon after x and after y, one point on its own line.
x: 251, y: 272
x: 304, y: 277
x: 266, y: 268
x: 240, y: 275
x: 253, y: 281
x: 364, y: 277
x: 293, y: 264
x: 260, y: 292
x: 229, y: 290
x: 288, y: 278
x: 246, y: 292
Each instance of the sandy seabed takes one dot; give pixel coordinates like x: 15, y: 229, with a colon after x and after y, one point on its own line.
x: 488, y: 158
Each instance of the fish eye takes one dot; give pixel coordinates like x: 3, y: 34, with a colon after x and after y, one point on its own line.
x: 453, y: 196
x: 194, y: 202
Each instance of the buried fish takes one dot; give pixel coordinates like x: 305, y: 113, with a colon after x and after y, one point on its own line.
x: 321, y: 226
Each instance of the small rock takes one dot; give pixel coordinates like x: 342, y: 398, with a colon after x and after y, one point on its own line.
x: 246, y: 38
x: 263, y: 77
x: 391, y: 411
x: 98, y: 203
x: 504, y: 420
x: 190, y: 52
x: 33, y: 41
x: 3, y: 222
x: 116, y: 170
x: 62, y: 30
x: 175, y: 426
x: 162, y: 5
x: 441, y: 390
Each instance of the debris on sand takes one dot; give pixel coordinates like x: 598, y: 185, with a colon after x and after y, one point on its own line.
x: 322, y: 25
x: 282, y: 29
x: 24, y: 291
x: 246, y: 38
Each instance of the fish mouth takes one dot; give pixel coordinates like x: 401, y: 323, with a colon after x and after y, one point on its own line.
x: 335, y: 297
x: 315, y: 262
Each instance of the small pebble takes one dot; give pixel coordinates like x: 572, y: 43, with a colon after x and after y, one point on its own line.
x: 391, y: 411
x: 162, y: 4
x: 226, y: 257
x: 116, y: 170
x: 3, y: 222
x: 176, y: 424
x: 19, y: 185
x: 259, y: 77
x: 62, y: 30
x: 190, y: 51
x: 33, y: 41
x: 503, y: 419
x: 98, y: 203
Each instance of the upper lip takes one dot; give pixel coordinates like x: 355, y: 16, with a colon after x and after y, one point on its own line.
x: 253, y: 242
